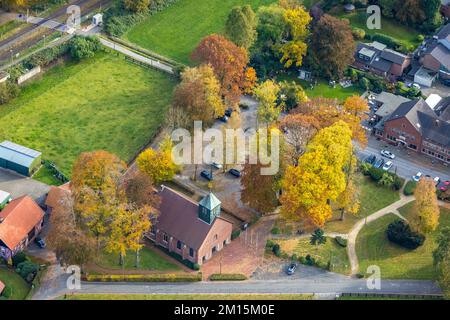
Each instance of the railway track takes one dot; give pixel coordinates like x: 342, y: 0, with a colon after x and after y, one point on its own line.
x: 34, y: 33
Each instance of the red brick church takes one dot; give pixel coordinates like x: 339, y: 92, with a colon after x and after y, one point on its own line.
x: 193, y: 230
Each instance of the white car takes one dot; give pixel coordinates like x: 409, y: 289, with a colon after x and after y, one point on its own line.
x: 418, y: 176
x: 416, y: 86
x: 437, y: 180
x: 387, y: 154
x: 215, y: 165
x: 387, y: 165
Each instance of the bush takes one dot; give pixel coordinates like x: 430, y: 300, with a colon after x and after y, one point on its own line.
x: 358, y: 33
x: 196, y: 266
x: 341, y: 241
x: 376, y: 174
x: 27, y: 270
x: 8, y: 91
x: 235, y: 234
x: 19, y: 258
x: 270, y: 244
x: 365, y: 168
x: 400, y: 233
x: 294, y: 257
x: 398, y: 182
x: 276, y: 250
x: 228, y: 277
x: 165, y: 277
x: 309, y: 261
x: 389, y: 41
x: 83, y: 47
x: 409, y: 188
x: 420, y: 37
x: 275, y: 230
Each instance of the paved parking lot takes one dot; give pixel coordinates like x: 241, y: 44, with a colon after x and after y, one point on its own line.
x: 18, y: 186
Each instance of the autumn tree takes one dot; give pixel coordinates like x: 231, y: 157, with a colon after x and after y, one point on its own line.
x: 228, y: 61
x: 250, y: 81
x: 141, y: 192
x: 355, y: 110
x: 325, y: 110
x: 299, y: 130
x: 426, y: 207
x: 267, y: 95
x: 297, y: 20
x: 158, y: 165
x: 198, y: 95
x: 128, y: 226
x: 291, y: 94
x: 95, y: 186
x: 136, y: 6
x: 319, y: 177
x: 13, y: 4
x: 331, y: 46
x: 67, y: 238
x: 410, y: 12
x: 240, y: 26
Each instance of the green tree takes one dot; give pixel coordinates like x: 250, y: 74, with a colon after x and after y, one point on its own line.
x: 441, y: 259
x: 318, y: 237
x: 240, y: 26
x: 267, y: 95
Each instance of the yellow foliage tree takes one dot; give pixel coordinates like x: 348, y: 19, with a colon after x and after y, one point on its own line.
x: 319, y: 177
x: 158, y: 164
x: 298, y: 20
x: 426, y: 213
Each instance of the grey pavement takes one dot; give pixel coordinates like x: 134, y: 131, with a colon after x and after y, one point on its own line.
x: 151, y: 62
x: 407, y: 162
x: 18, y: 186
x: 317, y: 286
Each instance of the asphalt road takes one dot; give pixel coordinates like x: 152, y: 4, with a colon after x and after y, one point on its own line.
x: 274, y: 286
x: 406, y: 164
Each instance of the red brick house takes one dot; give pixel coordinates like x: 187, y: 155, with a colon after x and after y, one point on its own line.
x: 20, y: 222
x: 195, y: 231
x: 378, y: 59
x: 416, y: 126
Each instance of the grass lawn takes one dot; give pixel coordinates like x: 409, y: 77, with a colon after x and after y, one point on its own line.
x: 150, y: 261
x: 322, y: 89
x: 175, y: 31
x: 373, y: 248
x: 16, y: 287
x: 405, y: 35
x: 323, y: 253
x: 372, y: 198
x: 188, y: 297
x: 46, y: 176
x: 101, y: 103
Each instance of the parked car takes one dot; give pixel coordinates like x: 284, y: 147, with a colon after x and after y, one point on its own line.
x: 224, y: 119
x: 418, y: 176
x: 216, y: 165
x: 443, y: 185
x: 387, y: 165
x: 235, y: 173
x: 387, y: 154
x: 40, y: 242
x: 371, y: 159
x: 291, y: 269
x: 379, y: 163
x: 228, y: 112
x: 437, y: 180
x: 446, y: 82
x: 207, y: 175
x: 416, y: 86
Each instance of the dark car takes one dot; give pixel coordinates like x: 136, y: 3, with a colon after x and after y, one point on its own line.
x: 371, y: 159
x: 40, y: 242
x: 235, y: 172
x: 379, y: 163
x: 446, y: 82
x: 443, y: 186
x: 291, y: 269
x: 228, y: 112
x: 207, y: 175
x: 224, y: 119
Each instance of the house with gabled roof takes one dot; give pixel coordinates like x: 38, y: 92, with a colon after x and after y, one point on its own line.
x: 194, y: 231
x: 421, y: 127
x: 20, y: 222
x: 378, y: 59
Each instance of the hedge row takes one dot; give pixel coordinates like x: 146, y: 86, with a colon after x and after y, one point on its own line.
x: 228, y: 277
x: 166, y: 277
x: 409, y: 188
x: 118, y: 20
x: 187, y: 263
